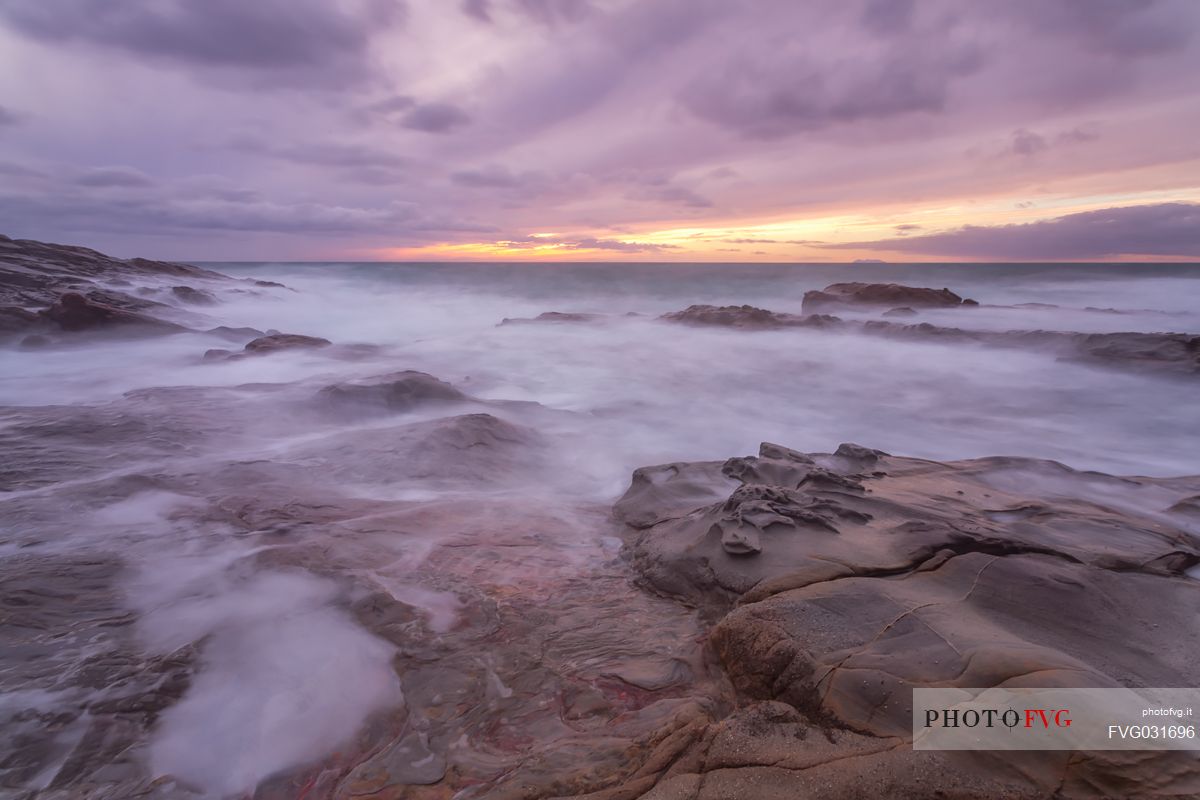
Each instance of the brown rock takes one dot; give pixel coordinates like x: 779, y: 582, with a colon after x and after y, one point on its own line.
x: 274, y: 343
x: 842, y: 295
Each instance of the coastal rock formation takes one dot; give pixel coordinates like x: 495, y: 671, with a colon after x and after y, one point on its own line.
x: 1168, y: 354
x: 843, y: 580
x: 880, y: 295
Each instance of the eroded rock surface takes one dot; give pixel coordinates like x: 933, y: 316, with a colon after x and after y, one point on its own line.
x: 842, y: 581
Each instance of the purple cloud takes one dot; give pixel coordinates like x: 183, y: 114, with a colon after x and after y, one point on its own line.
x: 311, y: 38
x: 1164, y: 229
x: 114, y: 176
x: 435, y: 118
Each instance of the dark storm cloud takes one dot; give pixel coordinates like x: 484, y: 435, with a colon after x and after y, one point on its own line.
x: 1164, y: 229
x: 434, y: 118
x: 320, y: 40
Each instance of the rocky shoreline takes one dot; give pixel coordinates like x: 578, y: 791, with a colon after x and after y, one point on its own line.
x: 414, y: 560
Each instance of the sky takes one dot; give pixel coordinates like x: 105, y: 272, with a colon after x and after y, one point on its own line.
x: 654, y: 130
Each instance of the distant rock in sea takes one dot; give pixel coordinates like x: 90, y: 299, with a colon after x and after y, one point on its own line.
x: 880, y: 295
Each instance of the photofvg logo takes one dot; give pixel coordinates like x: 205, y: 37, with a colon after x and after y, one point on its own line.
x: 990, y: 717
x: 1055, y: 719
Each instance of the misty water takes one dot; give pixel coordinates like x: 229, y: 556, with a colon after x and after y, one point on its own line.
x: 328, y: 581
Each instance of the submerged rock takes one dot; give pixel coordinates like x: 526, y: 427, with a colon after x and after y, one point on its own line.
x: 890, y: 295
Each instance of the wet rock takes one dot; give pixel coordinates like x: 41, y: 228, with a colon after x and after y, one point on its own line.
x: 394, y: 393
x: 192, y: 296
x: 276, y: 342
x: 73, y: 312
x: 747, y: 317
x: 668, y: 491
x: 270, y: 284
x: 34, y: 342
x: 240, y: 335
x: 891, y: 295
x: 553, y: 316
x: 903, y: 311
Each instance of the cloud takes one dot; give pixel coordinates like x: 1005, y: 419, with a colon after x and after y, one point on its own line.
x: 670, y: 195
x: 324, y: 154
x: 114, y: 177
x: 1164, y: 229
x: 489, y: 177
x: 309, y: 40
x: 776, y: 85
x: 434, y: 118
x: 8, y: 117
x: 547, y: 12
x: 1122, y: 28
x: 584, y: 243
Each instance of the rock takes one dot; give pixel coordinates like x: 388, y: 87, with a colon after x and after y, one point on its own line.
x: 197, y: 297
x: 903, y: 311
x: 843, y: 580
x: 394, y: 393
x: 34, y: 274
x: 240, y: 335
x: 553, y: 316
x: 217, y: 354
x: 671, y: 490
x: 747, y: 317
x: 270, y: 284
x: 74, y: 312
x: 843, y: 295
x: 276, y: 342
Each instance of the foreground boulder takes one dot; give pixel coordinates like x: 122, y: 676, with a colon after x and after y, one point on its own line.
x: 841, y: 581
x: 879, y: 295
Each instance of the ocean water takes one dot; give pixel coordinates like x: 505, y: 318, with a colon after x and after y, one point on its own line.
x: 180, y: 473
